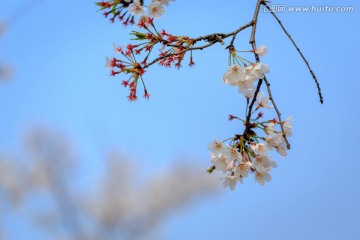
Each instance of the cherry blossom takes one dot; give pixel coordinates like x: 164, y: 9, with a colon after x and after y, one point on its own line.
x: 233, y: 154
x: 262, y: 177
x: 135, y: 8
x: 165, y: 2
x: 155, y: 9
x: 261, y: 163
x: 234, y: 75
x: 259, y: 69
x: 220, y: 162
x: 230, y: 181
x: 242, y: 170
x: 273, y: 140
x: 287, y: 126
x: 246, y: 88
x: 261, y: 51
x: 262, y: 102
x: 261, y: 148
x: 216, y: 147
x: 282, y: 149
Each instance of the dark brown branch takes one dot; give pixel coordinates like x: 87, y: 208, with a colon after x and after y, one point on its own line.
x: 253, y: 44
x: 251, y: 106
x: 255, y: 17
x: 299, y: 51
x: 277, y: 112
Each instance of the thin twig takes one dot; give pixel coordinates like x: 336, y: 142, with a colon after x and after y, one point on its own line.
x: 277, y: 112
x: 251, y: 106
x: 299, y: 51
x: 211, y: 38
x: 251, y: 23
x: 178, y: 53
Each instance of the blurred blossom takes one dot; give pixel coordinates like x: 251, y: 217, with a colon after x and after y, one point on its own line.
x: 3, y: 27
x: 5, y: 71
x: 12, y: 184
x: 138, y: 208
x: 121, y: 205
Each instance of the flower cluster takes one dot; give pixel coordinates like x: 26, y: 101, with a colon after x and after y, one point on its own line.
x: 250, y: 153
x: 172, y: 52
x: 244, y: 73
x: 125, y: 10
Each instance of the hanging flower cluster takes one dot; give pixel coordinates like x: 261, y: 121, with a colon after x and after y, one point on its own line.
x: 249, y: 152
x: 244, y: 73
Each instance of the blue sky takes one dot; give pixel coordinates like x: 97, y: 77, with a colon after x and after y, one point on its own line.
x: 58, y: 51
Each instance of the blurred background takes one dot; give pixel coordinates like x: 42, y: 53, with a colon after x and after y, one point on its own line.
x: 78, y: 161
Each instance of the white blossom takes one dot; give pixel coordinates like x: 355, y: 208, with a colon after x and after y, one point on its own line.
x: 287, y: 126
x: 262, y: 101
x: 165, y: 2
x: 135, y: 8
x: 261, y: 51
x: 233, y: 154
x: 246, y: 88
x: 248, y: 92
x: 216, y: 147
x: 242, y: 169
x: 234, y: 75
x: 155, y: 9
x: 231, y: 165
x: 261, y: 177
x: 220, y: 162
x: 260, y: 148
x: 282, y: 149
x: 249, y: 75
x: 260, y: 69
x: 273, y: 140
x: 230, y: 181
x: 262, y: 163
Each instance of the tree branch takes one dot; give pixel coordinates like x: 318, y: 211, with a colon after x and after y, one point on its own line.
x: 211, y: 38
x: 255, y: 17
x: 277, y: 112
x: 253, y: 44
x: 299, y: 51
